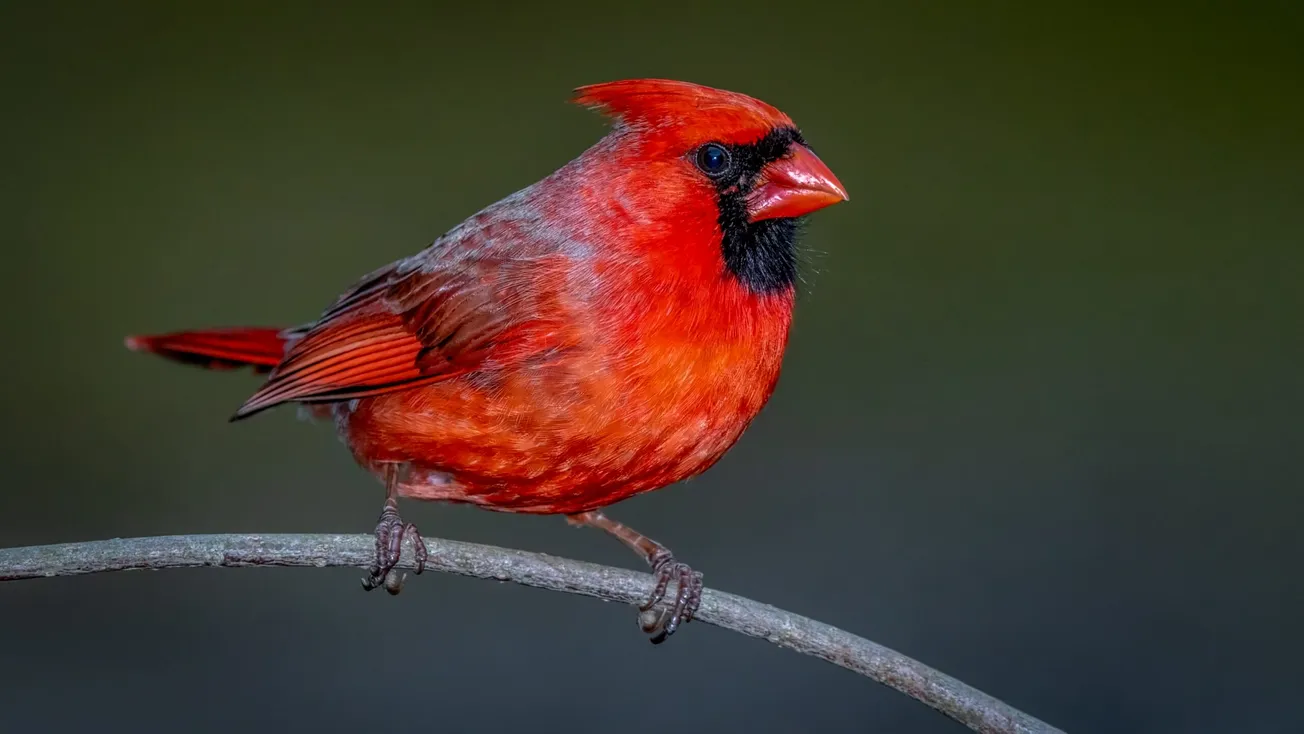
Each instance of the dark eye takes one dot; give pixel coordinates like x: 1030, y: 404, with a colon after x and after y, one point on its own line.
x: 713, y: 159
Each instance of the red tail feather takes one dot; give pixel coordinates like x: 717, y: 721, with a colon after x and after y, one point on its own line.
x: 217, y: 349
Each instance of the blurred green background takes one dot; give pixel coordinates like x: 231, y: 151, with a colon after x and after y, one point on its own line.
x: 1038, y: 426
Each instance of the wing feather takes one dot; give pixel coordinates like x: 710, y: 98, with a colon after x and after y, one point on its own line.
x: 414, y: 322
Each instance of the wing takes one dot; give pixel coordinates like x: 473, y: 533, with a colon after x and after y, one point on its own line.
x: 428, y: 318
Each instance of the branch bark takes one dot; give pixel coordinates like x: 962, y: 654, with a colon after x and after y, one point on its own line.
x: 951, y: 697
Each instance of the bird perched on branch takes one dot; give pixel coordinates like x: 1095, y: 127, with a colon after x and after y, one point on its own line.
x: 609, y: 330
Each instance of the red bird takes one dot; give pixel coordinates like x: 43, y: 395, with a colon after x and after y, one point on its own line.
x: 609, y: 330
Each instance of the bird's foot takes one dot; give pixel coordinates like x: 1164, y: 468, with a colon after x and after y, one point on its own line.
x: 657, y: 619
x: 390, y: 532
x: 662, y: 622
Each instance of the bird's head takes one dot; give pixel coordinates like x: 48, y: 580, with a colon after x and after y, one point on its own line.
x: 694, y: 160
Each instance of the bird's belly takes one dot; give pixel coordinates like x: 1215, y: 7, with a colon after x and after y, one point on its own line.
x: 516, y: 446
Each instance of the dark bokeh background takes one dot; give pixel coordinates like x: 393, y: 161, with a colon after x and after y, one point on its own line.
x: 1039, y: 424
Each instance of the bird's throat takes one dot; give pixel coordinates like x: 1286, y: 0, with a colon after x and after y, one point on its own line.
x: 761, y: 255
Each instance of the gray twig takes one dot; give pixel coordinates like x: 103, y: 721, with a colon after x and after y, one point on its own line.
x: 957, y: 700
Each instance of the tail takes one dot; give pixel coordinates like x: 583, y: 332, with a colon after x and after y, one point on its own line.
x: 218, y: 349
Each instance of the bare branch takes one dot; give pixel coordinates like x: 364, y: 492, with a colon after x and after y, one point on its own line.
x: 957, y: 700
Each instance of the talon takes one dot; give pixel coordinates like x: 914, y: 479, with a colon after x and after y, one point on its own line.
x: 660, y: 622
x: 390, y: 532
x: 659, y: 592
x: 419, y: 552
x: 687, y: 599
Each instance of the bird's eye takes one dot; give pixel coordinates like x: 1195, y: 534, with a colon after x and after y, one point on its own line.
x: 713, y: 159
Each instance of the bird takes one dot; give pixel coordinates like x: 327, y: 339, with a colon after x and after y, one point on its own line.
x: 606, y: 331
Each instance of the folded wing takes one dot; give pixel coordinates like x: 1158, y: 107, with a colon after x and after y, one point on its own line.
x: 416, y: 322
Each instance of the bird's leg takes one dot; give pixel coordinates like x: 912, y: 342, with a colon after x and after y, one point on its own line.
x: 688, y: 583
x: 390, y: 532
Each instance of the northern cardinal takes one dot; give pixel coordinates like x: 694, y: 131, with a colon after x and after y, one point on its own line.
x: 609, y: 330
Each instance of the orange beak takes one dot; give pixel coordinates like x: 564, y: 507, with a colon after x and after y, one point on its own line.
x: 794, y: 186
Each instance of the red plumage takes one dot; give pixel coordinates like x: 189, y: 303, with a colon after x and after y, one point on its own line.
x: 609, y: 330
x: 218, y: 349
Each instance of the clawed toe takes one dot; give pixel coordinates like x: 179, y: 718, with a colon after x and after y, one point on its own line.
x: 657, y: 619
x: 390, y: 532
x: 688, y: 597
